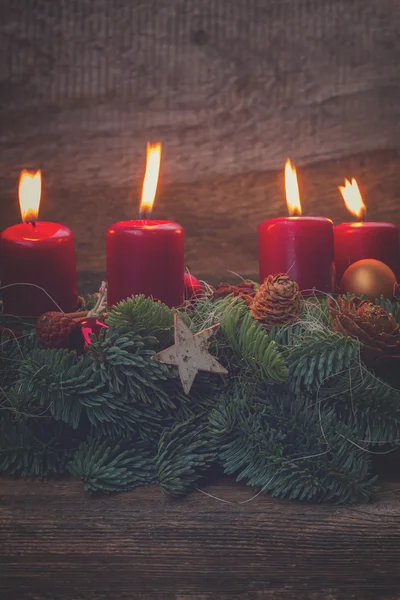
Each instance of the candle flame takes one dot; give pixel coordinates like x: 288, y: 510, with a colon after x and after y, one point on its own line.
x: 292, y: 190
x: 153, y: 159
x: 29, y: 192
x: 352, y: 198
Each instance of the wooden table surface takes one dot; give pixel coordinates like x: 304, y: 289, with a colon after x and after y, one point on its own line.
x: 57, y: 542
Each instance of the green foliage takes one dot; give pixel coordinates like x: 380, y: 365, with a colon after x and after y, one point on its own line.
x: 252, y: 346
x: 13, y: 348
x: 124, y: 364
x: 314, y: 358
x: 111, y: 385
x: 296, y: 416
x: 280, y: 444
x: 106, y: 467
x: 59, y: 383
x: 369, y: 405
x: 141, y: 315
x: 34, y: 447
x: 184, y: 453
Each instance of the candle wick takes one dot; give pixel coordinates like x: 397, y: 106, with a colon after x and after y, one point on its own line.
x: 144, y: 214
x: 33, y: 223
x: 363, y: 216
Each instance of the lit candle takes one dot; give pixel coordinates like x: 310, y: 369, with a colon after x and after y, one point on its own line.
x: 362, y: 239
x: 300, y: 246
x: 40, y: 254
x: 146, y: 256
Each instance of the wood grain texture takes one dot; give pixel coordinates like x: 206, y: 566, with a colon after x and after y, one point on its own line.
x: 231, y: 87
x: 228, y: 85
x: 59, y: 543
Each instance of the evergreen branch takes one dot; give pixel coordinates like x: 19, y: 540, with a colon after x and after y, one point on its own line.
x: 111, y: 386
x: 366, y: 403
x: 60, y: 383
x: 142, y: 315
x: 282, y: 446
x: 124, y: 365
x: 314, y: 358
x: 251, y: 344
x: 106, y: 466
x: 311, y: 443
x: 34, y: 448
x: 13, y: 348
x: 185, y: 452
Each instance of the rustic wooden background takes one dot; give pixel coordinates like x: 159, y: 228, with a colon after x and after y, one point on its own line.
x: 59, y: 543
x: 231, y: 88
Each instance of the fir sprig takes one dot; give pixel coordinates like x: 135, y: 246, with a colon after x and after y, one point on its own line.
x: 184, y: 454
x: 104, y: 466
x: 366, y: 403
x: 34, y: 447
x: 315, y: 357
x: 252, y: 346
x: 142, y: 315
x: 280, y: 444
x: 124, y: 365
x: 296, y: 416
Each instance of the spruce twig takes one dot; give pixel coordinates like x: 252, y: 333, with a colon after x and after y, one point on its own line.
x: 184, y: 454
x: 106, y: 466
x: 297, y: 416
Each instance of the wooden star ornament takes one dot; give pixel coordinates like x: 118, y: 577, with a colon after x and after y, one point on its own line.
x: 190, y: 353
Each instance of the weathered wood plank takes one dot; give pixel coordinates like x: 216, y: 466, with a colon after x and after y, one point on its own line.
x: 246, y: 82
x: 57, y: 542
x: 231, y: 87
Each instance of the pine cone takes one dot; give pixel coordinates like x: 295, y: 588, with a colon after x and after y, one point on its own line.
x: 277, y: 301
x: 245, y: 290
x: 375, y: 328
x: 57, y: 330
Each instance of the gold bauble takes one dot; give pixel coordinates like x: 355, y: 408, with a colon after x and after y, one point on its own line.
x: 369, y: 277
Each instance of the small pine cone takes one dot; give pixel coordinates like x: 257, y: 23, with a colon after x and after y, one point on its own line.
x: 375, y: 328
x: 245, y: 290
x: 277, y: 301
x: 57, y: 330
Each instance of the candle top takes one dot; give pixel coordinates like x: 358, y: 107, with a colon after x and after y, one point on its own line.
x: 145, y: 225
x: 300, y: 219
x: 366, y: 225
x: 37, y: 232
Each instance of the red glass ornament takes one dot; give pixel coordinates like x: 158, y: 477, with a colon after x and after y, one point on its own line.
x: 91, y: 325
x: 193, y: 287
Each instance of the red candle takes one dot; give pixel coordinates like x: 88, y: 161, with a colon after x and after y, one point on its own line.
x: 37, y: 265
x: 299, y: 246
x: 363, y: 239
x: 146, y: 256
